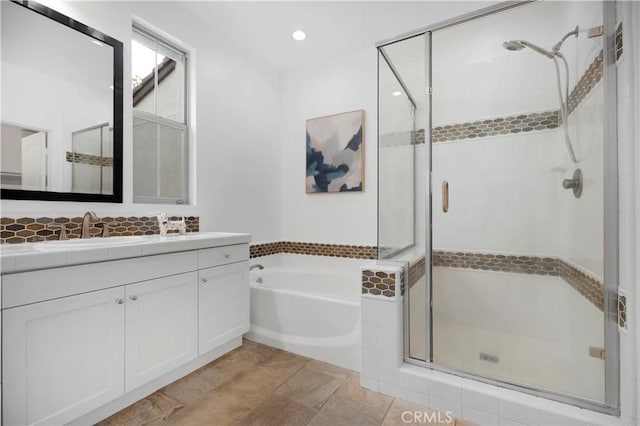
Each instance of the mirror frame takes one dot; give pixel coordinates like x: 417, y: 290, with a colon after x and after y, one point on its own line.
x: 116, y: 197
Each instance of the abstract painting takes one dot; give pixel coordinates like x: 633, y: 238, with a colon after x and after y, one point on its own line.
x: 335, y: 153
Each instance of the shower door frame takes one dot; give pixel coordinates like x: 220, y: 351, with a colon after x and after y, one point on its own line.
x: 611, y: 403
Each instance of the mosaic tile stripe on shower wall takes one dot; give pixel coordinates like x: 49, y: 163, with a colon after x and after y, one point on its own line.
x: 619, y: 41
x: 417, y: 270
x: 591, y: 288
x: 314, y: 249
x: 31, y: 229
x: 92, y: 160
x: 512, y: 124
x: 587, y: 82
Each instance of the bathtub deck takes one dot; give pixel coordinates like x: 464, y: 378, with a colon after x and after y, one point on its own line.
x: 257, y: 384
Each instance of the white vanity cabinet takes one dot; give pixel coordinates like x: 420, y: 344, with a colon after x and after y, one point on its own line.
x: 161, y: 327
x: 221, y: 321
x: 81, y: 342
x: 62, y: 358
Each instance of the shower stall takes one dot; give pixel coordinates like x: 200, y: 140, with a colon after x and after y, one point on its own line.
x: 91, y: 160
x: 498, y: 189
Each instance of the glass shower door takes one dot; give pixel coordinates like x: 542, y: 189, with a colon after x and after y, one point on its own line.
x: 517, y: 222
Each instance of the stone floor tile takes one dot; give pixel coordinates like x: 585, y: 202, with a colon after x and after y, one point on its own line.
x: 339, y: 411
x: 352, y: 390
x: 214, y: 409
x: 252, y: 386
x: 309, y: 387
x: 153, y: 408
x: 278, y: 411
x: 330, y: 369
x: 196, y: 384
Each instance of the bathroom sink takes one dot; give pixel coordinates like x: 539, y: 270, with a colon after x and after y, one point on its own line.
x: 88, y: 243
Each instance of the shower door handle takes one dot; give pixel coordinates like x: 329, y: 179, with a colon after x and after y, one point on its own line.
x: 445, y: 196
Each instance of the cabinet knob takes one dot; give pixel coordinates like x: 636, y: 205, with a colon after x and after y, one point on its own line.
x: 204, y: 280
x: 133, y: 297
x: 119, y: 301
x: 227, y: 255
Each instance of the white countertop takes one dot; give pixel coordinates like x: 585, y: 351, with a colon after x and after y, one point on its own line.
x: 51, y: 254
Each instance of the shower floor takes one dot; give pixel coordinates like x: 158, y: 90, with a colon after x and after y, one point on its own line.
x: 526, y: 329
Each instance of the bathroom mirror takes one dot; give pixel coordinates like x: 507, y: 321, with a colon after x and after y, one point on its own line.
x: 61, y: 108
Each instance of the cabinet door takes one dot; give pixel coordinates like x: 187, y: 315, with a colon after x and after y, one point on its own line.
x: 62, y: 358
x: 223, y: 304
x: 161, y: 327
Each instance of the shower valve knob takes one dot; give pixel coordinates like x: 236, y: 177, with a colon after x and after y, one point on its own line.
x: 575, y: 183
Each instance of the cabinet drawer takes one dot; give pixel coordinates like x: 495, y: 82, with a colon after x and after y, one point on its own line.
x: 208, y: 258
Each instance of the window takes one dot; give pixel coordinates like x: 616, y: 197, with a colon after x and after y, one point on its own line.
x: 160, y: 127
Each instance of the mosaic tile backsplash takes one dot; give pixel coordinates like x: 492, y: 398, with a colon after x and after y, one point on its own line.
x: 31, y: 229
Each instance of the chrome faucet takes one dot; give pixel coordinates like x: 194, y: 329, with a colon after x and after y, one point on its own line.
x: 257, y: 265
x: 88, y: 218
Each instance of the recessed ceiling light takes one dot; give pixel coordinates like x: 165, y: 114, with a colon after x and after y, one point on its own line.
x: 299, y: 35
x: 111, y: 87
x: 396, y: 93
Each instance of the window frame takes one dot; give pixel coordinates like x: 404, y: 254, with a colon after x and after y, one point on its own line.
x: 183, y: 54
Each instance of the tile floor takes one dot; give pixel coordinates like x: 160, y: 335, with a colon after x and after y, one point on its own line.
x: 260, y: 385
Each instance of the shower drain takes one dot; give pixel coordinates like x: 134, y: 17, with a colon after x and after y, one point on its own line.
x: 488, y: 357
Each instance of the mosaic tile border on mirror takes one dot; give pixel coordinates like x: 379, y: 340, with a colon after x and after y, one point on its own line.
x: 32, y: 229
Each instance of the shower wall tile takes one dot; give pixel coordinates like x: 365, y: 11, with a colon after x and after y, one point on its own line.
x: 32, y: 229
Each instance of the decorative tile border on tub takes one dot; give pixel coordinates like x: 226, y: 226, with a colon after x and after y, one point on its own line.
x: 30, y: 229
x: 314, y: 249
x: 265, y: 249
x: 379, y: 283
x: 383, y: 281
x: 589, y: 287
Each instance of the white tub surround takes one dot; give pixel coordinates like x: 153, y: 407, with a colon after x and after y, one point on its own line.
x: 91, y: 326
x: 309, y: 305
x: 384, y: 371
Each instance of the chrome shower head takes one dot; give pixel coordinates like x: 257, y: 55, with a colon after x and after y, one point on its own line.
x: 521, y: 44
x: 513, y: 45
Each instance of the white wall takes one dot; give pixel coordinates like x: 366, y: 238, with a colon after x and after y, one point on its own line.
x: 342, y: 84
x: 236, y: 116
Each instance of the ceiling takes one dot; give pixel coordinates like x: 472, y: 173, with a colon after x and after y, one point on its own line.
x: 333, y: 28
